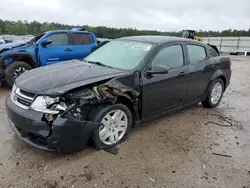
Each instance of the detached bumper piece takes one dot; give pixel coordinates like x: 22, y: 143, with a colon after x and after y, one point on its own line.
x: 63, y: 135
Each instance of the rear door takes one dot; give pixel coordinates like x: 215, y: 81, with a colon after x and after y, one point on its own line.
x: 82, y: 44
x: 201, y: 68
x: 59, y: 50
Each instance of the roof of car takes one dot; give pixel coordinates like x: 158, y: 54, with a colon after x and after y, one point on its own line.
x: 156, y: 39
x: 58, y: 31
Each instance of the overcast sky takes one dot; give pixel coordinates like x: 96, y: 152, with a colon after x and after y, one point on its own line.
x: 164, y: 15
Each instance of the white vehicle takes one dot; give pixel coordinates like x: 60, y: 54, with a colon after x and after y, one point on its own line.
x: 2, y: 41
x: 11, y: 38
x: 27, y: 38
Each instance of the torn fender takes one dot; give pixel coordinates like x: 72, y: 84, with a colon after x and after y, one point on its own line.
x: 121, y: 89
x: 109, y: 92
x: 130, y: 88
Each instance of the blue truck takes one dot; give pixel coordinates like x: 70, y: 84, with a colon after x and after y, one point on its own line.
x: 48, y: 48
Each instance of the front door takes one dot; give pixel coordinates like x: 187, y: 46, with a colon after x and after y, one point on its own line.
x: 162, y: 92
x: 59, y: 50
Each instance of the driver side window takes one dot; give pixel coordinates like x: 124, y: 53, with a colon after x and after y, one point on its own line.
x: 59, y: 39
x: 171, y: 57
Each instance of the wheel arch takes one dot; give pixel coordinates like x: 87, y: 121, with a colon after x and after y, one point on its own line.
x: 218, y: 75
x: 125, y: 100
x: 20, y: 56
x: 223, y: 78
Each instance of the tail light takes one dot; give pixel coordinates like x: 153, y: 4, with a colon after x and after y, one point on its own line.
x: 229, y: 63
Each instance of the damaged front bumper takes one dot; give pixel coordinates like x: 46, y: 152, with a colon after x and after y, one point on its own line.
x: 63, y: 135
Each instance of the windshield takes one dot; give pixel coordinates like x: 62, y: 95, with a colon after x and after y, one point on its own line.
x: 120, y: 54
x: 36, y: 38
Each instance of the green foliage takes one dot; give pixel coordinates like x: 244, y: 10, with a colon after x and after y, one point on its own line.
x: 35, y: 28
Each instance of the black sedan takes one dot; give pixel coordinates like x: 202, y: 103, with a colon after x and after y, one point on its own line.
x: 63, y: 106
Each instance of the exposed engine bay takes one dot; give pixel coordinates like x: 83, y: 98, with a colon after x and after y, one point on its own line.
x: 78, y: 105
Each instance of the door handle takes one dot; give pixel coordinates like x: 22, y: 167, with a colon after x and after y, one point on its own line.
x: 210, y: 66
x: 68, y: 50
x: 182, y: 73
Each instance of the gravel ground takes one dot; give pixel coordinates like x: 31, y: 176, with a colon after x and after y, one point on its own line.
x: 174, y: 151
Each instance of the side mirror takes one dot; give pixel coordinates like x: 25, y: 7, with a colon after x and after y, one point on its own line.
x: 158, y: 69
x: 46, y: 41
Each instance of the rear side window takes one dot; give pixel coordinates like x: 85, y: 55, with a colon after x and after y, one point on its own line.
x: 171, y: 56
x: 196, y: 53
x: 59, y: 39
x: 82, y: 39
x: 212, y: 52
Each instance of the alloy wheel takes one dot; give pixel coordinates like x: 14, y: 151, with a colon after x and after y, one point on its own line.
x: 18, y: 71
x: 216, y: 93
x: 113, y: 127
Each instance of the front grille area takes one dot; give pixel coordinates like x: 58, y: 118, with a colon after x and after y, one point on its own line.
x: 22, y: 98
x: 27, y: 93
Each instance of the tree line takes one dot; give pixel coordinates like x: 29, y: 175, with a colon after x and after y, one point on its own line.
x: 35, y: 28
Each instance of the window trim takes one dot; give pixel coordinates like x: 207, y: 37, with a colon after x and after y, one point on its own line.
x: 69, y: 42
x: 75, y: 32
x: 187, y: 54
x: 148, y: 66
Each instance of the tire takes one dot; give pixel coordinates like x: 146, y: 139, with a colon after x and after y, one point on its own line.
x: 10, y: 71
x: 98, y: 115
x: 209, y: 102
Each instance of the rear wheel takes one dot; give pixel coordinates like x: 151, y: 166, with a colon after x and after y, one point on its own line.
x: 215, y: 94
x: 115, y: 123
x: 14, y: 70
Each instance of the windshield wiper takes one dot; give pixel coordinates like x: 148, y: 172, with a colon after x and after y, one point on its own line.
x: 98, y: 63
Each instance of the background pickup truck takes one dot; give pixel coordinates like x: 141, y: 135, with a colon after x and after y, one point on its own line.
x: 48, y: 48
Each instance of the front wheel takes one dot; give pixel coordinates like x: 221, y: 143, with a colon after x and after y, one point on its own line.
x: 215, y: 94
x: 14, y: 70
x: 115, y: 123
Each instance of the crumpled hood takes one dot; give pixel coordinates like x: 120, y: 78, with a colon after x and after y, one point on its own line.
x: 18, y: 45
x: 59, y: 78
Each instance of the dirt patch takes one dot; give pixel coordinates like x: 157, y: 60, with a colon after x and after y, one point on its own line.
x: 87, y: 176
x: 176, y: 150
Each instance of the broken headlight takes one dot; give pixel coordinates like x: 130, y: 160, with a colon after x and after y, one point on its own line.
x: 47, y: 104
